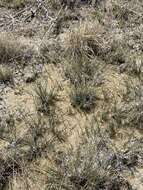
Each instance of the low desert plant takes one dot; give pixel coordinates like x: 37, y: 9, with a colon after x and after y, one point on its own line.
x: 128, y: 115
x: 83, y: 97
x: 121, y: 13
x: 12, y: 49
x: 8, y: 48
x: 50, y: 52
x: 129, y: 111
x: 116, y: 54
x: 83, y: 40
x: 44, y: 98
x: 8, y: 128
x: 54, y: 4
x: 134, y: 65
x: 16, y: 4
x: 6, y: 75
x: 126, y: 13
x: 87, y: 70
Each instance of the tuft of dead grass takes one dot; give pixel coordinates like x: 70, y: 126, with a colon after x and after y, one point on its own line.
x: 15, y: 4
x: 129, y: 112
x: 12, y: 49
x: 83, y: 40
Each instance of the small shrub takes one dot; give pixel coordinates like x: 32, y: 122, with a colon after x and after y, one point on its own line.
x: 121, y: 13
x: 54, y: 4
x: 83, y: 40
x: 8, y: 128
x: 89, y: 71
x: 129, y: 115
x: 16, y: 4
x: 50, y: 53
x: 116, y: 55
x: 134, y: 65
x: 83, y: 97
x: 44, y: 98
x: 6, y: 75
x: 12, y: 49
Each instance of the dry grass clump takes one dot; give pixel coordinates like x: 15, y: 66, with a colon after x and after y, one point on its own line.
x: 84, y: 76
x: 129, y: 112
x: 6, y: 75
x: 50, y: 53
x: 44, y: 98
x: 83, y: 40
x: 70, y: 4
x: 83, y: 97
x: 134, y: 65
x: 54, y: 4
x: 38, y: 140
x: 121, y: 13
x: 16, y: 4
x: 11, y: 49
x: 84, y: 68
x: 129, y: 115
x: 85, y: 71
x: 87, y: 167
x: 116, y: 55
x: 127, y: 13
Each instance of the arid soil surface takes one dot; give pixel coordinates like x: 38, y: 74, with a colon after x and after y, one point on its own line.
x: 71, y: 95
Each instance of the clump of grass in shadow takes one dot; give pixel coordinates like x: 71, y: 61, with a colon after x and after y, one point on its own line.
x: 15, y: 4
x: 121, y: 13
x: 116, y: 54
x: 6, y: 75
x: 128, y: 113
x: 50, y: 52
x: 85, y: 75
x: 83, y: 45
x: 134, y: 65
x: 85, y: 70
x: 83, y: 97
x: 44, y: 98
x: 53, y: 4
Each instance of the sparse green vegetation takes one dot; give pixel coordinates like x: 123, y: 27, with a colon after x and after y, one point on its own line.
x: 83, y: 97
x: 44, y: 98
